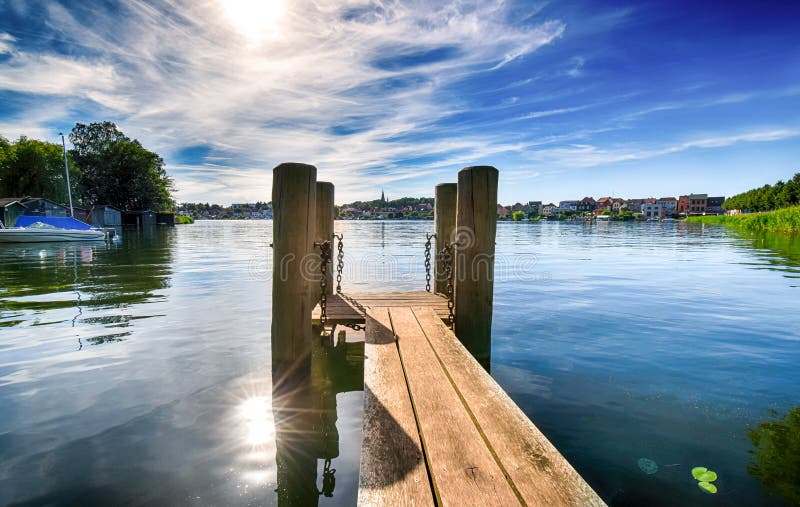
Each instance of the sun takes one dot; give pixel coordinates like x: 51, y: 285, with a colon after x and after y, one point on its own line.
x: 255, y: 19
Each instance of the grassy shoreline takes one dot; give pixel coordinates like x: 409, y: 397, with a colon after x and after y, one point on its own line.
x: 183, y: 219
x: 786, y: 220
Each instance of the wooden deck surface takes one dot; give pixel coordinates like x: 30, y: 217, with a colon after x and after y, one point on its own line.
x: 341, y: 311
x: 438, y: 430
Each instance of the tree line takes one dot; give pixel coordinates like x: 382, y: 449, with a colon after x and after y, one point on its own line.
x: 394, y: 203
x: 767, y: 198
x: 105, y: 167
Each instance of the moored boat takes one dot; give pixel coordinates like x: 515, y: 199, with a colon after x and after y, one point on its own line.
x: 31, y: 229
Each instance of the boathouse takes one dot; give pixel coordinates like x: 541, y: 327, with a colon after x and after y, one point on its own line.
x: 41, y: 207
x: 165, y: 218
x: 106, y: 216
x: 139, y: 218
x: 82, y: 214
x: 10, y: 209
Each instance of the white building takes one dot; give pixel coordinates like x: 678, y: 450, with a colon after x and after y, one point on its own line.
x: 653, y: 210
x: 670, y: 204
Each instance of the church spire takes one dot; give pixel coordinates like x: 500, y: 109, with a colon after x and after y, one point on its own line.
x: 383, y: 197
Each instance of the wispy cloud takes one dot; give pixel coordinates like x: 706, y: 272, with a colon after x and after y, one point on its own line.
x: 177, y: 74
x: 588, y: 155
x: 6, y: 43
x: 553, y: 112
x: 576, y: 68
x: 374, y: 93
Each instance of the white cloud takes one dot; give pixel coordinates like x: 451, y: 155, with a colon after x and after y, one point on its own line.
x: 553, y: 112
x: 266, y: 86
x: 52, y: 75
x: 588, y: 155
x: 6, y: 43
x: 207, y: 75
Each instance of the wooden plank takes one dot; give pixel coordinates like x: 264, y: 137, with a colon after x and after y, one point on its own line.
x: 539, y: 472
x: 400, y: 302
x: 337, y: 309
x: 389, y: 295
x: 342, y: 311
x: 462, y: 468
x: 392, y: 470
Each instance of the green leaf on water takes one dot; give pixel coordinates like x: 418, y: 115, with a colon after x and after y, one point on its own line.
x: 707, y: 487
x: 708, y: 476
x: 703, y: 474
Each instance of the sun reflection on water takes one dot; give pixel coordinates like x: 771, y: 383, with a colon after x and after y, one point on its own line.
x: 254, y: 439
x: 256, y: 412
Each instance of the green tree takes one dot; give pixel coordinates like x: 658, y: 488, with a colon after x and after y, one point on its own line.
x: 518, y: 215
x: 119, y: 171
x: 785, y: 196
x: 29, y: 167
x: 768, y: 197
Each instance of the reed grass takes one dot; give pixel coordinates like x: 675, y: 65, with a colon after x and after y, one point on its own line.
x: 786, y: 220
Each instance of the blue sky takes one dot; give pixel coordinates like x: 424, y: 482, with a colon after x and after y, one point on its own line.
x: 567, y: 99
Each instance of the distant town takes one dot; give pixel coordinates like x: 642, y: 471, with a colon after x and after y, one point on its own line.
x: 410, y: 208
x: 650, y: 208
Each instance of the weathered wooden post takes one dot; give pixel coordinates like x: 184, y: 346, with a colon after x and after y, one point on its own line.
x: 476, y: 227
x: 293, y: 231
x: 445, y: 223
x: 324, y: 228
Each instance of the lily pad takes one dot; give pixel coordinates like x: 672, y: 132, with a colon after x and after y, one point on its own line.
x: 708, y: 476
x: 707, y: 487
x: 703, y: 474
x: 647, y: 466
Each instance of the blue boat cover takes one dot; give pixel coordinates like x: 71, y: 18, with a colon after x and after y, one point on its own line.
x: 60, y: 222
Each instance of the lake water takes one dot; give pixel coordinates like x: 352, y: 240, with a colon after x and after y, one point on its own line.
x: 139, y: 372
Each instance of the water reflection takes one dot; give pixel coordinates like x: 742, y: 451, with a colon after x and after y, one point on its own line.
x: 781, y: 252
x: 776, y: 458
x: 179, y: 412
x: 305, y: 414
x: 648, y: 340
x: 40, y: 279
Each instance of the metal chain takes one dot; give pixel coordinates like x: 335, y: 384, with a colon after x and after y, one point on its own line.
x: 339, y: 269
x: 428, y: 261
x: 447, y: 265
x: 324, y: 259
x: 339, y: 262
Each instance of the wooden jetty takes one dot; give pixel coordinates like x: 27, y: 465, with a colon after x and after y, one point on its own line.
x: 437, y: 429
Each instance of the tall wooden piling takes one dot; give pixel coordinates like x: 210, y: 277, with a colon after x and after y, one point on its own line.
x: 476, y: 226
x: 293, y: 230
x: 445, y: 220
x: 324, y: 227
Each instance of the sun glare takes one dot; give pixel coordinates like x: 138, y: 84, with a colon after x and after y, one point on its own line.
x: 255, y: 19
x: 257, y: 417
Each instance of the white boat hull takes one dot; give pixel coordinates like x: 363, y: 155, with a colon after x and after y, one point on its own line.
x: 49, y: 235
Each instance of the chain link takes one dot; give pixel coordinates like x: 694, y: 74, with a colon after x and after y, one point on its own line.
x: 428, y: 261
x: 339, y: 262
x: 339, y: 269
x: 447, y: 265
x: 324, y: 259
